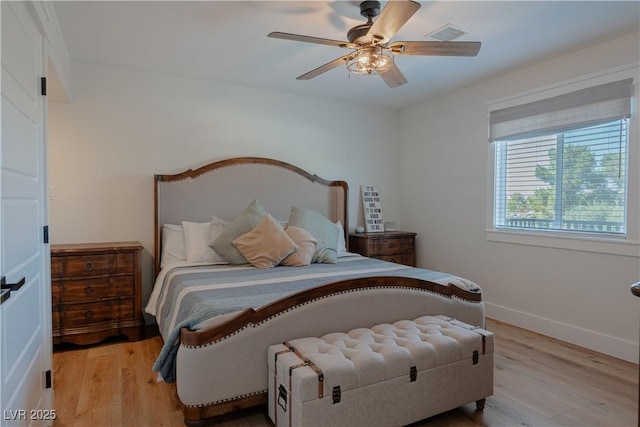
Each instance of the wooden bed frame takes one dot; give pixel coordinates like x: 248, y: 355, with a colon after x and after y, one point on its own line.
x: 233, y: 377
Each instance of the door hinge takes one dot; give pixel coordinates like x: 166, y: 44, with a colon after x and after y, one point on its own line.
x: 45, y: 233
x: 47, y: 379
x: 43, y: 86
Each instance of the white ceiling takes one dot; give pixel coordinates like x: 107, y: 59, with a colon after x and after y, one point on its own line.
x: 226, y: 41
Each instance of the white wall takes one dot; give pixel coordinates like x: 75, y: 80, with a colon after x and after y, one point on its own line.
x: 581, y: 297
x: 125, y: 126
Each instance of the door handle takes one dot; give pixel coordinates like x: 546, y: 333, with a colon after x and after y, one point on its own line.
x: 6, y: 288
x: 11, y: 286
x: 635, y: 289
x: 4, y: 293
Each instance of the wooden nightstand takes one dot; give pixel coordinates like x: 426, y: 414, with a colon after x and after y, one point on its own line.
x: 96, y: 291
x: 394, y: 246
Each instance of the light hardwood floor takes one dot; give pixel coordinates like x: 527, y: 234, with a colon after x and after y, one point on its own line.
x: 539, y: 381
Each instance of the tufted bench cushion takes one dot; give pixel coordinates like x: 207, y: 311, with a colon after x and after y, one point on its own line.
x: 390, y: 374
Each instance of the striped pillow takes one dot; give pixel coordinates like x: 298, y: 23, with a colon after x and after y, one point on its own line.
x: 244, y: 223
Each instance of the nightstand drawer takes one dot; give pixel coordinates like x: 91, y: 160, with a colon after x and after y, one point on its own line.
x: 95, y: 289
x: 394, y: 246
x: 94, y: 265
x: 406, y: 259
x: 383, y: 247
x: 96, y: 312
x: 88, y: 265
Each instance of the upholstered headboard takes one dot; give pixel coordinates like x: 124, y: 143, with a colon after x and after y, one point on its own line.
x: 226, y: 187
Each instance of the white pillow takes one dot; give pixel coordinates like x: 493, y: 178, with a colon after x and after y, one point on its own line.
x: 342, y: 244
x: 173, y: 246
x: 196, y: 239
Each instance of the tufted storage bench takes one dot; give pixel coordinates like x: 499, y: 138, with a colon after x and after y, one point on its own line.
x: 387, y: 375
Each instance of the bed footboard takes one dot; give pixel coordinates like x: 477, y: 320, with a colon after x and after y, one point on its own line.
x: 224, y: 369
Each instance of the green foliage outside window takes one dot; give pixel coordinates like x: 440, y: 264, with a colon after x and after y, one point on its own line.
x: 591, y: 180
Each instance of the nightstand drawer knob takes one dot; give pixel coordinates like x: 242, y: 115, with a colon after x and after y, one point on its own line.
x: 88, y: 314
x: 392, y: 245
x: 88, y: 290
x: 88, y: 266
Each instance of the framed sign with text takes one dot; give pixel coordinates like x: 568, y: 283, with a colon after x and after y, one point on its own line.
x: 372, y: 208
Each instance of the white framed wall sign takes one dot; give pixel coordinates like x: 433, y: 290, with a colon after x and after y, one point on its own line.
x: 372, y: 206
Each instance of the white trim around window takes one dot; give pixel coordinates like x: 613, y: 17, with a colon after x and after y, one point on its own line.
x: 625, y: 246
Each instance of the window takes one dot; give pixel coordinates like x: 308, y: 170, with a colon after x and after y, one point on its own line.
x: 561, y: 163
x: 571, y: 181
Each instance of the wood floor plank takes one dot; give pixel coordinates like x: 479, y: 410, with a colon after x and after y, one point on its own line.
x: 600, y: 389
x: 583, y: 388
x: 68, y: 371
x: 515, y: 412
x: 136, y: 390
x: 558, y: 387
x: 539, y: 381
x: 100, y: 398
x: 536, y: 395
x: 566, y: 352
x: 590, y: 366
x: 169, y: 393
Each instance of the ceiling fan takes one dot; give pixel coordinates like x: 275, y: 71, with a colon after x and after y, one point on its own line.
x: 371, y: 49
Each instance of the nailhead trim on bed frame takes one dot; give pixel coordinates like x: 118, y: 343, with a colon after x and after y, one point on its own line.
x: 253, y: 325
x: 242, y: 396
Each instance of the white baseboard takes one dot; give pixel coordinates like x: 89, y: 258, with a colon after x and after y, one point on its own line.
x: 602, y: 343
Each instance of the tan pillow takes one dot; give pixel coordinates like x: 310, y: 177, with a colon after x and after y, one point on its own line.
x: 306, y: 247
x: 266, y: 245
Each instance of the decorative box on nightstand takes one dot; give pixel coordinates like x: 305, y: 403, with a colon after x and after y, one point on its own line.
x: 96, y: 291
x: 394, y: 246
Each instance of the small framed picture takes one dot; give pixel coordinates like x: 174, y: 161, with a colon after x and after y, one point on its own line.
x: 372, y: 206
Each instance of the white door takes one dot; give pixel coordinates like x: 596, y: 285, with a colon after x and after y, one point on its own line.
x: 25, y: 317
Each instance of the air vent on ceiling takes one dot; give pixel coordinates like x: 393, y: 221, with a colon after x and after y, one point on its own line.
x: 447, y: 33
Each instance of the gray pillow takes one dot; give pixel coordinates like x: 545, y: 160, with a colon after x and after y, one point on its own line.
x: 244, y: 223
x: 322, y: 229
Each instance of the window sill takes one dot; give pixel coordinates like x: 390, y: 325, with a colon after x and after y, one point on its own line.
x: 597, y: 244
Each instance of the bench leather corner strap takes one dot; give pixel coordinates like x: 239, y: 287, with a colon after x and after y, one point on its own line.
x: 310, y: 364
x: 282, y: 392
x: 477, y: 329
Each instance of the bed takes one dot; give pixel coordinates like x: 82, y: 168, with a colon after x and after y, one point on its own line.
x: 217, y: 319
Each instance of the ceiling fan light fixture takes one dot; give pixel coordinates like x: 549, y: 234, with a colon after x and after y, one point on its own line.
x: 371, y: 50
x: 369, y: 60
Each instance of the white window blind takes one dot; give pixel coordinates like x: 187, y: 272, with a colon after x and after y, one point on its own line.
x: 561, y: 113
x: 565, y: 168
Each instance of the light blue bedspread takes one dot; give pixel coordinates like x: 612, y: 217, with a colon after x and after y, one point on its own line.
x: 191, y: 295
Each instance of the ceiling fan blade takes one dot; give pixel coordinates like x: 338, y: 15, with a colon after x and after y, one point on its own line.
x: 431, y: 48
x: 394, y: 77
x: 324, y: 68
x: 310, y: 39
x: 394, y: 15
